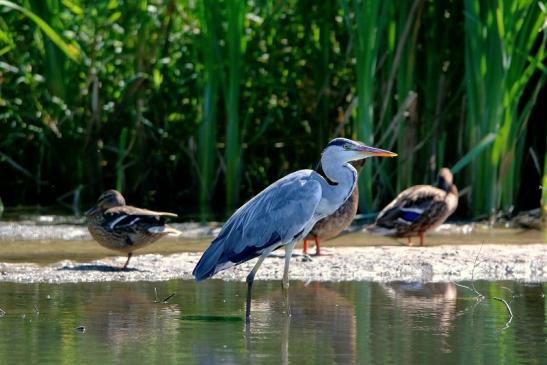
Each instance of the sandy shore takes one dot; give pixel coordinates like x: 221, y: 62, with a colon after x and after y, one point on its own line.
x: 526, y: 263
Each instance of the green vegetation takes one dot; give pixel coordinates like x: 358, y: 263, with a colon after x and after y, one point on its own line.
x: 196, y: 106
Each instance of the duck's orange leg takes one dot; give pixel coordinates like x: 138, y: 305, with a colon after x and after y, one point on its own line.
x: 317, y: 247
x: 305, y: 248
x: 127, y: 262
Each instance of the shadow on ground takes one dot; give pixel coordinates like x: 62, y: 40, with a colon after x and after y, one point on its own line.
x: 97, y: 267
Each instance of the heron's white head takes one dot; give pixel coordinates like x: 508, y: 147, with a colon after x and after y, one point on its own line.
x: 341, y: 150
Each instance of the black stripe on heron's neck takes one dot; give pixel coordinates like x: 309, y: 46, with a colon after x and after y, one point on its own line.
x: 319, y: 170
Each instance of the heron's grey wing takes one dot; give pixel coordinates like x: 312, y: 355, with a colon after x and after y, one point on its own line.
x: 274, y: 217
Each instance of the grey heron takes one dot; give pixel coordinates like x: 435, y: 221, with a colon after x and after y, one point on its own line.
x: 418, y: 209
x: 284, y: 213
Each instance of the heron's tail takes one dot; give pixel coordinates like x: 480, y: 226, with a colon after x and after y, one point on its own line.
x: 207, y: 265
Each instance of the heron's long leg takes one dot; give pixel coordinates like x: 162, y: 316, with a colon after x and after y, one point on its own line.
x: 127, y: 262
x: 285, y: 282
x: 250, y: 279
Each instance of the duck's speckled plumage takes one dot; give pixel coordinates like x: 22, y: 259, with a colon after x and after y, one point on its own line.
x: 418, y: 209
x: 125, y: 228
x: 331, y: 226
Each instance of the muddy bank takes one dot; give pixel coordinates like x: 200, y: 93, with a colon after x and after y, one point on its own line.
x: 381, y: 264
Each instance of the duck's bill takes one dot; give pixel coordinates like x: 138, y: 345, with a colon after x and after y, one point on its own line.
x: 368, y: 151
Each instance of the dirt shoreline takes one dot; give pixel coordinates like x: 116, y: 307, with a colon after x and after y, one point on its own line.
x: 527, y: 263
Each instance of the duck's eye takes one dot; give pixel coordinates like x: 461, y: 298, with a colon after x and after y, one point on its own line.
x: 346, y: 146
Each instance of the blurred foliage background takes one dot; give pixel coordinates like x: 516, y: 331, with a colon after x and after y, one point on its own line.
x: 195, y: 106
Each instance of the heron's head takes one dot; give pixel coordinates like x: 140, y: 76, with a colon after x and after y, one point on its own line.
x: 445, y: 179
x: 109, y: 199
x: 346, y: 150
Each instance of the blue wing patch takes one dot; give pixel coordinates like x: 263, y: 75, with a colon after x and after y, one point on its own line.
x: 410, y: 216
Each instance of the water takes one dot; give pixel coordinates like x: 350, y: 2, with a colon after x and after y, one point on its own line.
x: 348, y: 322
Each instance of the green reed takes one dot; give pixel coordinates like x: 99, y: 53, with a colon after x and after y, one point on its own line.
x: 235, y: 43
x: 202, y: 104
x: 209, y: 104
x: 364, y: 20
x: 500, y: 62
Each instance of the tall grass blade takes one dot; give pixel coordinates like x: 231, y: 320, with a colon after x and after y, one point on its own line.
x: 235, y: 44
x: 210, y: 89
x: 473, y: 153
x: 366, y: 32
x: 122, y: 152
x: 71, y: 50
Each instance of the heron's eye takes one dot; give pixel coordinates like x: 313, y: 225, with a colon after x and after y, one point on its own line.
x: 346, y: 146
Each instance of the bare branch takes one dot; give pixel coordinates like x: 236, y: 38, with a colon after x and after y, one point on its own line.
x: 473, y: 289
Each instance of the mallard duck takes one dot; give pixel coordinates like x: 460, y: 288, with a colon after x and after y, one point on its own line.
x: 125, y: 228
x: 418, y: 209
x: 331, y: 226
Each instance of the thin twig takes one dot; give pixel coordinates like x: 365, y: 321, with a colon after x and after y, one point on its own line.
x: 473, y: 289
x: 509, y: 310
x: 473, y: 271
x: 169, y: 297
x: 20, y: 168
x: 480, y: 296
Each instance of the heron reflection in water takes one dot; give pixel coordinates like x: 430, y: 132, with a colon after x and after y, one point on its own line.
x: 285, y: 212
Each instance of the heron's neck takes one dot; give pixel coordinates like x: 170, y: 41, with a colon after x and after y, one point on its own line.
x: 338, y: 185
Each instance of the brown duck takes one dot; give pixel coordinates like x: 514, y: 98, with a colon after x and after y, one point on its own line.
x: 125, y: 228
x: 331, y: 226
x: 418, y: 209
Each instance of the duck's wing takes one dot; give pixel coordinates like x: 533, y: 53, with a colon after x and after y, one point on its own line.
x: 128, y: 217
x: 413, y: 205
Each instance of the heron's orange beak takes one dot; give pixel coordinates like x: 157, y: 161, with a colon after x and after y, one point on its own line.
x: 368, y: 151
